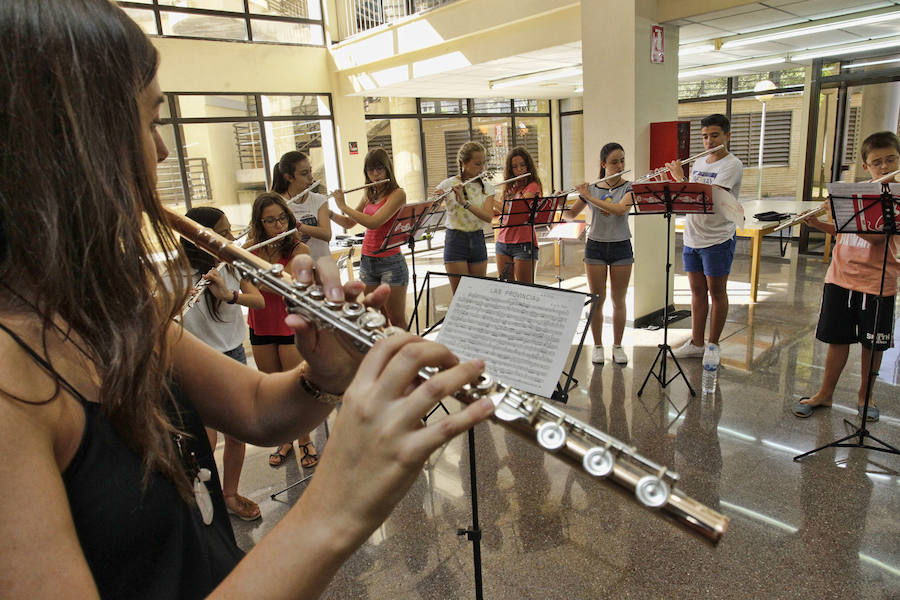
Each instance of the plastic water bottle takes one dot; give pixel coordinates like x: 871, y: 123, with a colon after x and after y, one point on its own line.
x: 710, y: 368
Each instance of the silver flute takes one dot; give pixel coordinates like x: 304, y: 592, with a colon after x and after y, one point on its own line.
x: 663, y: 170
x: 599, y: 454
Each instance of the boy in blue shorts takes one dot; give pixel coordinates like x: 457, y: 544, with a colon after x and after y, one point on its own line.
x: 709, y: 240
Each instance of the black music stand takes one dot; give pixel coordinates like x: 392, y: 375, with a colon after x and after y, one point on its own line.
x: 874, y: 214
x: 667, y: 198
x: 413, y: 222
x: 539, y: 210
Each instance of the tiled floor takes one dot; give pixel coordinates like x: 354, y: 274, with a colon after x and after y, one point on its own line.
x: 825, y: 527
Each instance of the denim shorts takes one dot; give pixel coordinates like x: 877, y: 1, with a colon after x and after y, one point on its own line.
x: 713, y: 261
x: 608, y: 253
x: 464, y: 246
x: 522, y: 251
x: 392, y: 270
x: 237, y: 354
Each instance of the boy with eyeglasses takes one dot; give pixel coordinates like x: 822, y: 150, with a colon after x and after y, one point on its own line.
x: 852, y: 285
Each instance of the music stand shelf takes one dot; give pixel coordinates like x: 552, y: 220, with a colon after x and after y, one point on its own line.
x: 531, y: 213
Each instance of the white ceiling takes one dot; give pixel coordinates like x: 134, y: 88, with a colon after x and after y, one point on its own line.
x: 474, y: 80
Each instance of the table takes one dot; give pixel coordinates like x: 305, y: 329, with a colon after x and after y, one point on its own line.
x: 756, y: 230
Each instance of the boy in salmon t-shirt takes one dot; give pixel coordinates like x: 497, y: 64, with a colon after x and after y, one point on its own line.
x: 852, y: 284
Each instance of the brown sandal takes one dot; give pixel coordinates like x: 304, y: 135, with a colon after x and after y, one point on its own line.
x: 309, y: 459
x: 245, y: 509
x: 276, y: 459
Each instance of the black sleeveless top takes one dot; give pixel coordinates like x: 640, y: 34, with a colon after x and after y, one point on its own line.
x: 144, y: 542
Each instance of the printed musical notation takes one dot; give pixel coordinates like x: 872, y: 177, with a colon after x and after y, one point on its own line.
x: 522, y: 333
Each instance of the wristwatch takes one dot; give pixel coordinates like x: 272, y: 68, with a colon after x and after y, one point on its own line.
x: 234, y: 297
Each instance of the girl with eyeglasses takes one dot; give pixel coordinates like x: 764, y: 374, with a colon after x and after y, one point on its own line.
x: 377, y: 212
x: 273, y: 344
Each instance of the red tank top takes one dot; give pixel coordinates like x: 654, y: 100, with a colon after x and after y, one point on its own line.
x: 375, y: 237
x: 270, y: 320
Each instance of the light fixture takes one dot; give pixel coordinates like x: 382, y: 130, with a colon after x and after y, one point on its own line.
x: 741, y: 65
x: 813, y: 27
x: 691, y: 50
x: 579, y: 89
x: 871, y: 63
x: 527, y: 78
x: 877, y: 44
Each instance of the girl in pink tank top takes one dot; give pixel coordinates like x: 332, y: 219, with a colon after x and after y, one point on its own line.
x: 377, y: 212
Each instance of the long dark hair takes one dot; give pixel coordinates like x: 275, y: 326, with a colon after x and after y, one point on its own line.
x: 512, y: 189
x: 283, y: 167
x: 202, y: 261
x: 378, y: 157
x: 78, y: 245
x: 605, y: 151
x: 258, y: 232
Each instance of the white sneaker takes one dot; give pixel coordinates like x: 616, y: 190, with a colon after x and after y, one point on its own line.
x: 597, y: 355
x: 619, y: 356
x: 688, y: 350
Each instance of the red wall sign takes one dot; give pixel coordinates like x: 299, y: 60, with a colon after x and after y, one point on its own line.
x: 657, y: 51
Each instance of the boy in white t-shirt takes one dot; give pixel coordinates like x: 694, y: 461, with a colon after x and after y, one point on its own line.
x: 709, y: 240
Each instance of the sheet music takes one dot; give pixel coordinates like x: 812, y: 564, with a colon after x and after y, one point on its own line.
x: 857, y: 206
x: 522, y: 333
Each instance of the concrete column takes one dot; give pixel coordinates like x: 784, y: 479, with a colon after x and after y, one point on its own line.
x: 623, y: 93
x: 880, y: 109
x: 407, y: 148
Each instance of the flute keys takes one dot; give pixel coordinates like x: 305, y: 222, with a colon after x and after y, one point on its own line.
x: 598, y: 462
x: 372, y: 320
x: 316, y: 292
x: 300, y: 286
x: 651, y: 491
x: 551, y: 436
x: 333, y: 304
x: 353, y: 309
x: 393, y: 330
x: 485, y: 383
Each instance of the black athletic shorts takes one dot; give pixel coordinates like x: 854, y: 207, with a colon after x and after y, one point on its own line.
x: 264, y: 340
x: 847, y: 317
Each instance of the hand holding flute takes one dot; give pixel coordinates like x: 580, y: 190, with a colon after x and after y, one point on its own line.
x: 338, y: 195
x: 675, y: 167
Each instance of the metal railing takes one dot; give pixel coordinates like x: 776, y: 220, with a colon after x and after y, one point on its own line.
x: 169, y: 184
x: 362, y: 15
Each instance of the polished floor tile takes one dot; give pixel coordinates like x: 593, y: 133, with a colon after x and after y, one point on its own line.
x: 824, y: 527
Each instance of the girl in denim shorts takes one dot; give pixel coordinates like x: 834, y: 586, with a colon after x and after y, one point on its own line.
x: 377, y: 212
x: 608, y: 252
x: 468, y: 209
x: 517, y: 248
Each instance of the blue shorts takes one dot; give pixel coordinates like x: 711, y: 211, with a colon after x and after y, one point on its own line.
x: 713, y: 261
x: 392, y: 270
x: 237, y: 354
x: 521, y: 251
x: 464, y: 246
x: 608, y: 253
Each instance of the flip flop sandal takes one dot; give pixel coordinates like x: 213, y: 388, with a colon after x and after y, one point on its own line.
x: 247, y: 509
x: 873, y: 414
x: 803, y: 410
x: 307, y: 455
x: 276, y: 459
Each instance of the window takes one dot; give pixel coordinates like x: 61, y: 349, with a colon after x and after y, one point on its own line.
x: 296, y: 22
x: 223, y: 146
x: 423, y: 136
x: 745, y: 138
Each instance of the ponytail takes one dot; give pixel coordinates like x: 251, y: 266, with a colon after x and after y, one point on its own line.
x: 605, y: 151
x: 284, y: 167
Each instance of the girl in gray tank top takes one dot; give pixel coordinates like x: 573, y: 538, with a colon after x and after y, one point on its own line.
x: 608, y: 253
